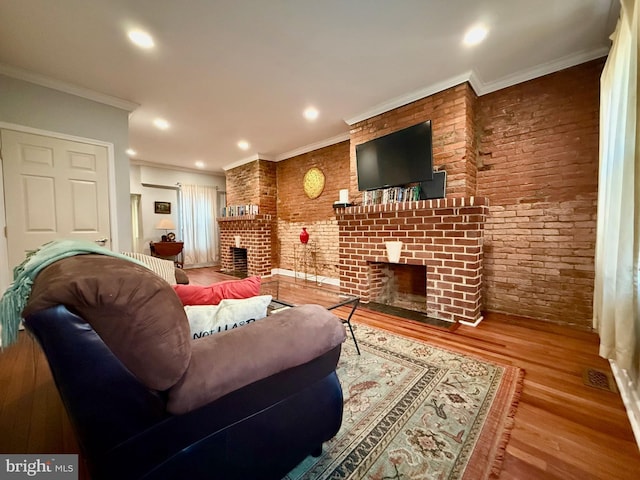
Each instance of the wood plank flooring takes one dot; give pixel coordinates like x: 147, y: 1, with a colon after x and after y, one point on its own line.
x: 563, y: 428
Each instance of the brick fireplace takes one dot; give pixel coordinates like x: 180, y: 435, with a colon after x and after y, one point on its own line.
x: 255, y: 232
x: 445, y: 235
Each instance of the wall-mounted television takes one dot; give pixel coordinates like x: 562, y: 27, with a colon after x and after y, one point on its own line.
x: 399, y: 158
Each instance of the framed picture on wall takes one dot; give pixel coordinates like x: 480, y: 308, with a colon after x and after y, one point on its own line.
x: 162, y: 207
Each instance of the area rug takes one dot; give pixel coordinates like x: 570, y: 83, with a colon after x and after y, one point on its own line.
x: 415, y: 411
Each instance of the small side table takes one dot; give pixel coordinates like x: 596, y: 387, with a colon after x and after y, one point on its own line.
x: 168, y: 251
x: 305, y: 260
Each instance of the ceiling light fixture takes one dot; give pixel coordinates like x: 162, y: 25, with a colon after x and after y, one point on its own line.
x: 243, y: 145
x: 161, y: 123
x: 131, y: 152
x: 199, y: 164
x: 311, y: 114
x: 141, y: 39
x: 475, y: 35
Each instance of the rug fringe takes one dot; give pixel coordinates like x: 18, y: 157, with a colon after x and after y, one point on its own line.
x: 509, y: 423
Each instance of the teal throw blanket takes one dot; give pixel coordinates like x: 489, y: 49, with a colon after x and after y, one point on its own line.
x: 16, y: 296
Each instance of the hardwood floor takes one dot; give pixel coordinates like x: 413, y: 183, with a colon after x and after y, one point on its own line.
x: 563, y: 428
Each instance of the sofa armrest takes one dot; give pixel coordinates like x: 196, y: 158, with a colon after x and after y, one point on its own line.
x: 227, y: 361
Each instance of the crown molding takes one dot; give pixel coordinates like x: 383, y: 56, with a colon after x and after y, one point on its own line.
x: 165, y: 166
x: 408, y: 98
x: 44, y: 81
x: 252, y: 158
x: 313, y: 146
x: 540, y: 70
x: 292, y: 153
x: 481, y: 87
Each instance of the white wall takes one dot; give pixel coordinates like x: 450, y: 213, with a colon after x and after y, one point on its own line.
x: 34, y: 106
x: 159, y: 184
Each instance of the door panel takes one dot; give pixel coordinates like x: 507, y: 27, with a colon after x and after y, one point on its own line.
x: 39, y: 204
x: 54, y: 188
x: 84, y: 202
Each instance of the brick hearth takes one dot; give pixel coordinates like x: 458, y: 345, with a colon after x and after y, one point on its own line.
x: 444, y: 235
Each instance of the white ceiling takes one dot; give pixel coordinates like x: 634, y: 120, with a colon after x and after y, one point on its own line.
x: 226, y: 70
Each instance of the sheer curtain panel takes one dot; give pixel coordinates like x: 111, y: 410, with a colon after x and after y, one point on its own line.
x: 198, y: 217
x: 615, y: 308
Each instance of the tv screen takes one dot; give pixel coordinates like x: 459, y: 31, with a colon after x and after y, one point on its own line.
x: 398, y: 158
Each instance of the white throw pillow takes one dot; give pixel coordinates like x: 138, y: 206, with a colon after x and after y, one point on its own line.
x: 230, y: 313
x: 164, y: 268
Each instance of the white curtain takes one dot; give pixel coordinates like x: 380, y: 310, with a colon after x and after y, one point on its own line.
x: 136, y: 223
x: 615, y: 312
x: 198, y: 219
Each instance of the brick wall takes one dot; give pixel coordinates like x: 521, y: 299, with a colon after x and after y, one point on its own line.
x: 253, y: 183
x: 452, y: 117
x: 538, y: 165
x: 296, y: 210
x: 322, y: 233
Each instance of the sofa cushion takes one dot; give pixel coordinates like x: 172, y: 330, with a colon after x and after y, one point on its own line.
x: 230, y: 360
x: 164, y: 268
x: 135, y: 312
x: 232, y: 313
x: 213, y: 294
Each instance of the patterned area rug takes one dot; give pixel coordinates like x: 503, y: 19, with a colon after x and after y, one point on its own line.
x: 415, y: 411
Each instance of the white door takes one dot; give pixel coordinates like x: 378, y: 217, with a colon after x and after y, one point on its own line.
x: 54, y: 188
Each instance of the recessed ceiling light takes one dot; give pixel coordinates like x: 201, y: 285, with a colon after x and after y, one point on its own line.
x: 199, y: 164
x: 475, y: 35
x: 161, y: 123
x: 141, y: 39
x: 311, y: 113
x: 243, y: 145
x: 131, y: 152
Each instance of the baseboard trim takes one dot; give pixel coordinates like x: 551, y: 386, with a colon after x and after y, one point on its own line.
x: 320, y: 280
x: 472, y: 324
x: 629, y: 393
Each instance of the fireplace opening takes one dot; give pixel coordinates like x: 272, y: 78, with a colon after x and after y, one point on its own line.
x: 401, y: 290
x: 239, y: 259
x: 403, y: 286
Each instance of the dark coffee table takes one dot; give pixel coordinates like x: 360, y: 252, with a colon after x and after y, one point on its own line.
x: 289, y: 294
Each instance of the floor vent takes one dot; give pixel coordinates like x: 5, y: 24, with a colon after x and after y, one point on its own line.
x: 599, y: 379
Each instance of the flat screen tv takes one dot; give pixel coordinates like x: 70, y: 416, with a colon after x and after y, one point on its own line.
x: 399, y: 158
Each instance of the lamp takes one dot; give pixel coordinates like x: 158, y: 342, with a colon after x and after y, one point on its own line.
x: 166, y: 224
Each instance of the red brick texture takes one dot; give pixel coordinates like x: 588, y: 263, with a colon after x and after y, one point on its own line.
x: 452, y: 117
x: 255, y: 233
x: 444, y: 235
x: 538, y: 165
x: 253, y: 183
x: 296, y: 210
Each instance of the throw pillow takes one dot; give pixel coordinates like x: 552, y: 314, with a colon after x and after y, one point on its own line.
x: 213, y: 294
x: 205, y: 320
x: 164, y: 268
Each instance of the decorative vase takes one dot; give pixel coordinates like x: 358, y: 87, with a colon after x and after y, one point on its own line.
x: 304, y: 235
x: 393, y: 251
